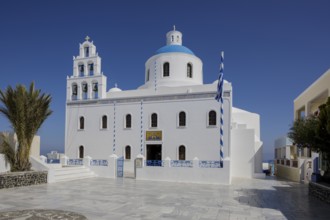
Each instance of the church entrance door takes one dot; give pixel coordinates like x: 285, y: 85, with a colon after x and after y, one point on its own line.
x: 154, y: 154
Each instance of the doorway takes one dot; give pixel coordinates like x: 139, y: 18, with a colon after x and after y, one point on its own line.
x: 154, y: 154
x: 81, y: 152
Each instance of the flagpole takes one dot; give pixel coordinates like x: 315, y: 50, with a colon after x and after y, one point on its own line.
x: 219, y: 98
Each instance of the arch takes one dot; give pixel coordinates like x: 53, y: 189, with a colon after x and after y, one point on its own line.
x: 182, y: 119
x: 166, y: 69
x: 81, y: 152
x: 81, y: 123
x: 74, y: 88
x: 154, y: 120
x: 95, y: 89
x: 127, y: 152
x: 104, y: 122
x: 182, y: 152
x: 84, y: 87
x: 189, y: 70
x: 91, y: 68
x: 128, y: 121
x: 81, y: 69
x: 86, y: 50
x: 212, y: 118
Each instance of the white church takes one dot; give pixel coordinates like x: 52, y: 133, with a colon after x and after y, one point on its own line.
x: 167, y: 129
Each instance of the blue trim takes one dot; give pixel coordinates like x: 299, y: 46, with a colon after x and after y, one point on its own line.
x: 174, y: 48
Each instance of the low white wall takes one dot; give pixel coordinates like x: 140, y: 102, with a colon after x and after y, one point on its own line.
x: 38, y: 164
x: 4, y: 166
x: 186, y: 174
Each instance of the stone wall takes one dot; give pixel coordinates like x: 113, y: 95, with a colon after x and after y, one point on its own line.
x: 319, y: 191
x: 17, y: 179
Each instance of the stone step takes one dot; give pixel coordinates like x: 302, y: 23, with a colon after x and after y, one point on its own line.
x: 129, y: 174
x: 69, y: 173
x: 74, y: 177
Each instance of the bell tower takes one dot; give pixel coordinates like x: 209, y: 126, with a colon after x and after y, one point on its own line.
x: 87, y: 81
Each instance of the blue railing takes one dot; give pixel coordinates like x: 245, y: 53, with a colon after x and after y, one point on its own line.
x: 209, y: 164
x: 75, y: 162
x: 53, y: 161
x: 154, y: 163
x: 99, y: 163
x: 181, y: 163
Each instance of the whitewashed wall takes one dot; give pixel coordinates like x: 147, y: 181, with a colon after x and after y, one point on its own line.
x: 4, y: 167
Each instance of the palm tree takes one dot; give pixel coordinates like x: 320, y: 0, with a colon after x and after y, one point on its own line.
x: 26, y: 110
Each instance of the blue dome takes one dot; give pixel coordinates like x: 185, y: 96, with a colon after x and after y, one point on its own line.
x: 174, y: 48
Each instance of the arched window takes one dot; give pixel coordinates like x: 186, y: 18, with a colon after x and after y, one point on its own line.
x: 127, y: 152
x: 95, y: 90
x: 154, y: 120
x: 81, y: 70
x: 148, y: 75
x: 189, y: 70
x: 182, y: 119
x: 91, y: 68
x: 182, y: 152
x: 86, y: 51
x: 104, y: 122
x: 81, y: 123
x: 74, y: 91
x: 212, y: 118
x: 81, y: 152
x: 84, y: 90
x: 166, y: 69
x: 128, y: 121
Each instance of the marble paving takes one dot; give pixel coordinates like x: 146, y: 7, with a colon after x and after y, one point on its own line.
x: 129, y: 199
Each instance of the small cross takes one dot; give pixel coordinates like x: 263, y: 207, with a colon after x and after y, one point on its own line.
x: 116, y: 85
x: 87, y: 38
x: 173, y: 27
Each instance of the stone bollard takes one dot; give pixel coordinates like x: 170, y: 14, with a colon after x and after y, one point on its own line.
x: 140, y: 161
x: 87, y: 161
x: 64, y: 160
x: 43, y: 159
x: 112, y: 165
x: 167, y: 162
x: 196, y: 162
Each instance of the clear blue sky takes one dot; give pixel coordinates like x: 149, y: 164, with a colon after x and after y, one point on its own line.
x: 274, y: 49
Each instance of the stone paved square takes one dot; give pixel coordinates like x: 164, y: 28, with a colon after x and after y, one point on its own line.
x: 128, y: 199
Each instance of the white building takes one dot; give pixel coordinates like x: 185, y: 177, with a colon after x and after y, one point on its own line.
x: 290, y: 162
x: 171, y: 121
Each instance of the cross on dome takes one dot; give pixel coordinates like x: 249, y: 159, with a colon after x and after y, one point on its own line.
x: 173, y: 27
x: 87, y: 38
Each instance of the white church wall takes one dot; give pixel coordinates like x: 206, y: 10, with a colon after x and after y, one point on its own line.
x: 242, y: 152
x: 195, y: 136
x: 251, y: 120
x: 97, y: 142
